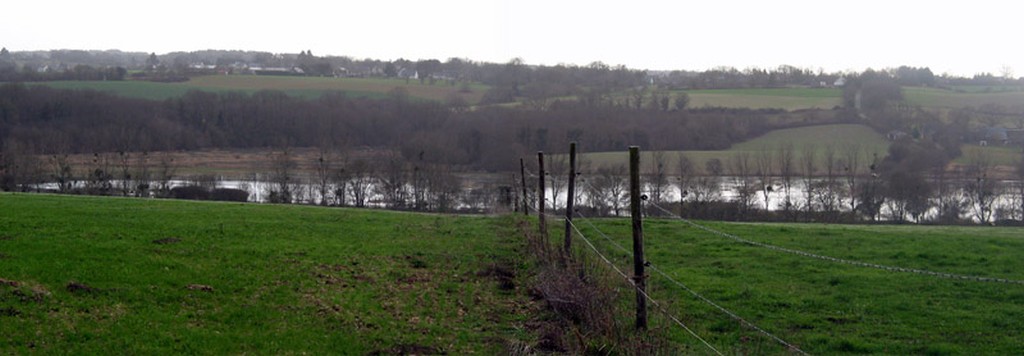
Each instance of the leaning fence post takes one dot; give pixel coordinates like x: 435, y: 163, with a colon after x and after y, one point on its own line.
x: 570, y: 198
x: 540, y: 197
x: 522, y: 178
x: 638, y: 237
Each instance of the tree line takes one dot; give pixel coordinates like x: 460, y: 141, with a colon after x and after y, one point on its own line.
x: 43, y: 120
x: 837, y: 184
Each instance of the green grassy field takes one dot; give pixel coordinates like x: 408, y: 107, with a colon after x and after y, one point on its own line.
x: 828, y: 308
x: 95, y: 275
x: 997, y: 155
x: 818, y: 137
x: 91, y: 275
x: 759, y: 98
x: 781, y: 98
x: 941, y: 98
x: 305, y: 87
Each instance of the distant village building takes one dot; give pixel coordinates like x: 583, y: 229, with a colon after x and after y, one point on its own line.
x: 409, y: 73
x: 896, y: 135
x: 277, y: 71
x: 991, y: 135
x: 1000, y: 136
x: 839, y: 82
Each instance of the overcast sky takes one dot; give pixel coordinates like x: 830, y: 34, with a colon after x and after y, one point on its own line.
x: 962, y: 37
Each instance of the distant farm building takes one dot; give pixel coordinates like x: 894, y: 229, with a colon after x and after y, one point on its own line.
x: 896, y: 135
x: 277, y: 71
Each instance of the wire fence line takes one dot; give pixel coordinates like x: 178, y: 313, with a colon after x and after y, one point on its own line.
x: 695, y: 293
x: 635, y: 286
x: 550, y: 215
x: 840, y: 260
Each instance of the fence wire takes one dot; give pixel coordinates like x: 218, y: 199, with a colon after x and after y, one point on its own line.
x: 642, y: 292
x: 694, y: 293
x: 546, y: 213
x: 839, y: 260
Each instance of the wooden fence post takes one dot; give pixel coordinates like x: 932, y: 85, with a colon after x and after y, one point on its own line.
x: 570, y: 199
x: 522, y: 178
x: 638, y: 237
x: 540, y: 197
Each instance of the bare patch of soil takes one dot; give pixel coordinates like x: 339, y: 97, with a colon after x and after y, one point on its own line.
x: 9, y: 311
x: 79, y: 288
x: 410, y: 349
x: 167, y: 240
x: 200, y: 287
x: 502, y: 273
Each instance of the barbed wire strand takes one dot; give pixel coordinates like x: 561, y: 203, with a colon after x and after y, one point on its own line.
x: 647, y: 296
x: 695, y: 293
x: 550, y: 215
x: 840, y: 260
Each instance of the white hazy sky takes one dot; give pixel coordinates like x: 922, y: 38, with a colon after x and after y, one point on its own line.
x: 961, y: 37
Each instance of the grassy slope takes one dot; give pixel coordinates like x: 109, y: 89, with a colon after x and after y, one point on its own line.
x: 305, y: 87
x: 828, y: 308
x: 285, y: 279
x: 939, y: 98
x: 998, y: 155
x: 817, y: 136
x: 773, y: 98
x: 781, y: 98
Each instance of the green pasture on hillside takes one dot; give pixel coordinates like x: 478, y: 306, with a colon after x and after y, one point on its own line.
x: 776, y: 98
x: 827, y: 308
x: 100, y: 275
x: 93, y: 275
x: 1009, y: 156
x: 948, y: 99
x: 758, y: 98
x: 841, y: 137
x: 304, y: 87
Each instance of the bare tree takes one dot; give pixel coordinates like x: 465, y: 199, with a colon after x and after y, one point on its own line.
x: 361, y: 176
x: 685, y: 180
x: 341, y: 177
x: 765, y: 170
x: 166, y: 170
x: 324, y: 173
x: 980, y: 188
x: 907, y: 194
x: 872, y: 196
x: 808, y: 167
x: 558, y: 172
x: 829, y: 190
x: 657, y: 179
x: 419, y: 184
x: 787, y: 169
x: 638, y: 97
x: 124, y: 166
x: 742, y: 169
x: 682, y: 101
x: 19, y: 169
x: 392, y: 181
x: 283, y: 180
x: 949, y: 197
x: 607, y: 190
x: 583, y: 164
x: 852, y: 170
x: 443, y: 188
x: 63, y: 172
x: 143, y: 176
x: 1019, y: 196
x: 99, y: 181
x: 706, y: 189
